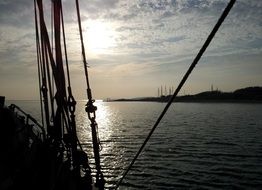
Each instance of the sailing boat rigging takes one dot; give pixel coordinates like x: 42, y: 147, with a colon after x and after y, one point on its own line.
x: 60, y: 123
x: 67, y: 164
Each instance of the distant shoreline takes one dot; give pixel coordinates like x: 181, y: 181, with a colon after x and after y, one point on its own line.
x: 189, y: 101
x: 245, y: 95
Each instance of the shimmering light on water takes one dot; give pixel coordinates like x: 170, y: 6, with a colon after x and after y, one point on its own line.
x: 196, y: 146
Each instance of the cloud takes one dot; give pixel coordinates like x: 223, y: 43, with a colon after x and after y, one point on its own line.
x: 17, y: 13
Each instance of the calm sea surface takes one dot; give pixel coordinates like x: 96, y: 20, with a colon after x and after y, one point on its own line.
x: 196, y: 146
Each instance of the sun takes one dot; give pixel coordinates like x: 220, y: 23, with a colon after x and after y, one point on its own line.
x: 99, y: 36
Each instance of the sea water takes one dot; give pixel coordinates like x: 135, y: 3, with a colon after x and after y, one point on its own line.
x: 196, y: 145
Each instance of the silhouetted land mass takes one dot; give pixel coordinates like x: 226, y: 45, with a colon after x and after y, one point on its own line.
x: 249, y: 94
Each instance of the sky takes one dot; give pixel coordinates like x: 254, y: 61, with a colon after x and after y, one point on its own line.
x: 135, y: 47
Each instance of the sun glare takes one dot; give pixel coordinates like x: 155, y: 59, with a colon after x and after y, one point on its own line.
x: 99, y: 37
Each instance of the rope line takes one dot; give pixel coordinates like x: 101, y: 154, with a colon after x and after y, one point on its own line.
x: 65, y: 48
x: 193, y: 64
x: 39, y: 63
x: 91, y: 111
x: 82, y: 44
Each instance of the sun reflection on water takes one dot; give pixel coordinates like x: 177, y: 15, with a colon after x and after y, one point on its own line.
x: 104, y: 119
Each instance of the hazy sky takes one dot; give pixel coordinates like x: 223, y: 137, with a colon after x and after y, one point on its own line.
x: 135, y: 46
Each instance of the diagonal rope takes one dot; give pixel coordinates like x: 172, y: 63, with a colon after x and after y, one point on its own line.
x: 190, y: 69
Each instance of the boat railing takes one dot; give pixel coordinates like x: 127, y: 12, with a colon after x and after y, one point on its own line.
x: 37, y: 129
